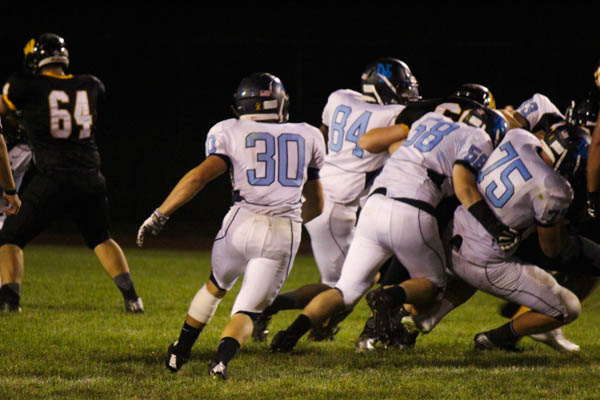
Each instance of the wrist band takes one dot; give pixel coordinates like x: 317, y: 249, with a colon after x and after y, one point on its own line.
x: 11, y: 192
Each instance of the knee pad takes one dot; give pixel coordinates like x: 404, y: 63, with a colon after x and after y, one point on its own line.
x: 572, y: 305
x: 203, y: 306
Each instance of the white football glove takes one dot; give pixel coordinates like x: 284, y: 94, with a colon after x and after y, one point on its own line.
x: 153, y: 224
x: 508, y: 239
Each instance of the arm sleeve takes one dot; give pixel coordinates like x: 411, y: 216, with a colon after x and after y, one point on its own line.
x: 14, y: 92
x: 474, y: 150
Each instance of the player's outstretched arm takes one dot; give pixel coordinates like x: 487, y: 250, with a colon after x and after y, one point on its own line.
x: 313, y: 200
x: 185, y: 190
x: 378, y: 140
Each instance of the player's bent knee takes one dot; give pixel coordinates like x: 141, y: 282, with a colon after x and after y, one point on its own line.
x: 203, y: 306
x: 572, y: 305
x: 93, y: 241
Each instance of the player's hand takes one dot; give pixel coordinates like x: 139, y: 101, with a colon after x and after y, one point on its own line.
x: 13, y: 203
x: 153, y: 224
x: 508, y: 239
x: 593, y: 203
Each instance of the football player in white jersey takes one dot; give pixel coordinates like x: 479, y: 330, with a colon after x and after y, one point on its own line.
x: 387, y: 84
x: 273, y: 164
x: 525, y: 182
x: 439, y: 158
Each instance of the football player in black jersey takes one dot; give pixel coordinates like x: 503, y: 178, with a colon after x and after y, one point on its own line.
x: 60, y: 118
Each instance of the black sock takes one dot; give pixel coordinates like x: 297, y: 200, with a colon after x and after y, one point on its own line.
x: 187, y: 338
x: 285, y: 301
x: 12, y: 292
x: 300, y: 326
x: 398, y: 295
x: 125, y: 285
x: 227, y: 349
x: 503, y: 334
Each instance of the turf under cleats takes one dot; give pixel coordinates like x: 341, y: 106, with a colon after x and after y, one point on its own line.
x: 217, y: 370
x: 175, y: 358
x: 261, y: 331
x: 557, y: 340
x: 134, y: 306
x: 283, y: 342
x: 483, y: 341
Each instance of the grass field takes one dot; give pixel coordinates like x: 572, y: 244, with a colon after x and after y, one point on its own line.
x: 73, y: 340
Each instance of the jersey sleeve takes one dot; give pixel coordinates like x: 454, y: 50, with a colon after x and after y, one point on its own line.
x: 474, y: 151
x: 327, y: 111
x: 14, y: 91
x: 552, y: 205
x: 218, y: 142
x: 534, y: 109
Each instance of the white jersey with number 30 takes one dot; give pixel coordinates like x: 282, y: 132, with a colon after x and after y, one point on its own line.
x: 270, y: 162
x: 522, y: 190
x: 348, y: 117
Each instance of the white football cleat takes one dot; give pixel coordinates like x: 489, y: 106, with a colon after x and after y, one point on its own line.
x: 557, y: 340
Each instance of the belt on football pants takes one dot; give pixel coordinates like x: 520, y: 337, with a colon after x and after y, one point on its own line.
x: 421, y: 205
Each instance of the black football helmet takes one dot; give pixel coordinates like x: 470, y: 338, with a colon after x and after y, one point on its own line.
x: 261, y: 96
x: 567, y: 146
x: 583, y: 114
x: 488, y: 119
x: 49, y: 48
x: 389, y: 81
x: 476, y: 92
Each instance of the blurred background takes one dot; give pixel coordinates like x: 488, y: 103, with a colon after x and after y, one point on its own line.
x: 170, y: 72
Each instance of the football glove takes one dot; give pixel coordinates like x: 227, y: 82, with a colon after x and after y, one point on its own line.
x: 593, y: 203
x: 153, y: 224
x: 508, y: 239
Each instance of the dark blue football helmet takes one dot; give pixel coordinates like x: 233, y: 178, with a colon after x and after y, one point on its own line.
x: 490, y: 120
x: 389, y: 81
x: 567, y: 146
x: 261, y: 96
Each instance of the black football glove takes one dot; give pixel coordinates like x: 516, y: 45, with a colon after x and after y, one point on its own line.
x: 153, y: 224
x: 508, y: 239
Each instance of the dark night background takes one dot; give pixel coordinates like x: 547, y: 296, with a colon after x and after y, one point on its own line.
x: 170, y: 71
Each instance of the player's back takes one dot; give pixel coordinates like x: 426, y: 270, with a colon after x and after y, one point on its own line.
x: 270, y: 162
x: 422, y: 167
x: 348, y: 117
x: 60, y: 116
x: 520, y: 188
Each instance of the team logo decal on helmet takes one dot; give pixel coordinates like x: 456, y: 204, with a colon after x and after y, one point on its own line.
x: 389, y: 81
x: 261, y: 96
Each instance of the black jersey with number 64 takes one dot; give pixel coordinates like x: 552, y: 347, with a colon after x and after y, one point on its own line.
x: 60, y: 116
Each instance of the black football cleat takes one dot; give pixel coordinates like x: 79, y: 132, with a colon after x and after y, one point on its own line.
x: 381, y: 304
x: 283, y: 342
x: 483, y: 341
x: 368, y: 337
x: 134, y: 306
x: 175, y: 359
x: 260, y: 331
x: 8, y: 307
x: 217, y: 370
